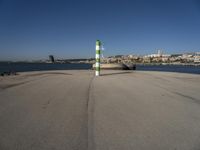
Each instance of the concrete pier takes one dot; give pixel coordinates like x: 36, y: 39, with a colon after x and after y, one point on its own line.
x: 120, y: 110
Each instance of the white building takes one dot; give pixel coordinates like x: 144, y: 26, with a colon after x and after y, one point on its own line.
x: 197, y: 58
x: 159, y: 54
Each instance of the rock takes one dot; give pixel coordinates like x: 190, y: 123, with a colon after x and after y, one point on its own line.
x: 113, y: 66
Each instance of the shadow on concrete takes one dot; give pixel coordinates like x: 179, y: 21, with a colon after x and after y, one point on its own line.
x: 116, y: 73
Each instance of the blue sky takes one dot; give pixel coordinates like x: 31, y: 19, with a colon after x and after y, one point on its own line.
x: 33, y: 29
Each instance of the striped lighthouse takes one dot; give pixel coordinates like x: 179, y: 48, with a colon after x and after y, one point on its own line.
x: 98, y: 52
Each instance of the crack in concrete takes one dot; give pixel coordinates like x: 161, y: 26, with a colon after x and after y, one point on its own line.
x: 90, y: 121
x: 188, y: 97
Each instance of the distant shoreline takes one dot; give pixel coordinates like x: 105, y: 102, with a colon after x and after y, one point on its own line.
x: 27, y: 67
x: 151, y: 64
x: 175, y: 64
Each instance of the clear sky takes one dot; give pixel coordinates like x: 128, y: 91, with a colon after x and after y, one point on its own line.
x: 33, y: 29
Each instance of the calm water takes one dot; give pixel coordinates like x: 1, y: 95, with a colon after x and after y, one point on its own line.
x: 170, y: 68
x: 22, y: 67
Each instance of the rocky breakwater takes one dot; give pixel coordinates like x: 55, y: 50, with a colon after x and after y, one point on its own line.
x: 120, y: 66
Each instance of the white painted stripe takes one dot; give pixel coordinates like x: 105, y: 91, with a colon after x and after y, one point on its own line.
x: 97, y: 64
x: 97, y: 56
x: 97, y: 47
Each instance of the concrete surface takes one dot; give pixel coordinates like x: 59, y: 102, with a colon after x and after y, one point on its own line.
x: 120, y: 110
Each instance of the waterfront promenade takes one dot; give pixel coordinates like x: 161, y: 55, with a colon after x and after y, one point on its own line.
x: 120, y: 110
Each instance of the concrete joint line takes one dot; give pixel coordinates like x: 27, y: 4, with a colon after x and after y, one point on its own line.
x: 90, y: 116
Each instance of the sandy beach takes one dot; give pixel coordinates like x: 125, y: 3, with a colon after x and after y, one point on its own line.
x: 120, y: 110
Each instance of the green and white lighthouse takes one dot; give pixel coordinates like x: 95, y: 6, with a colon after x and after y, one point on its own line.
x: 98, y: 52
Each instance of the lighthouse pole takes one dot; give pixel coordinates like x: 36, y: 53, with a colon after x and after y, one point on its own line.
x: 98, y: 52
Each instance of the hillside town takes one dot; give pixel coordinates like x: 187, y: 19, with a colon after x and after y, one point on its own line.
x: 157, y: 58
